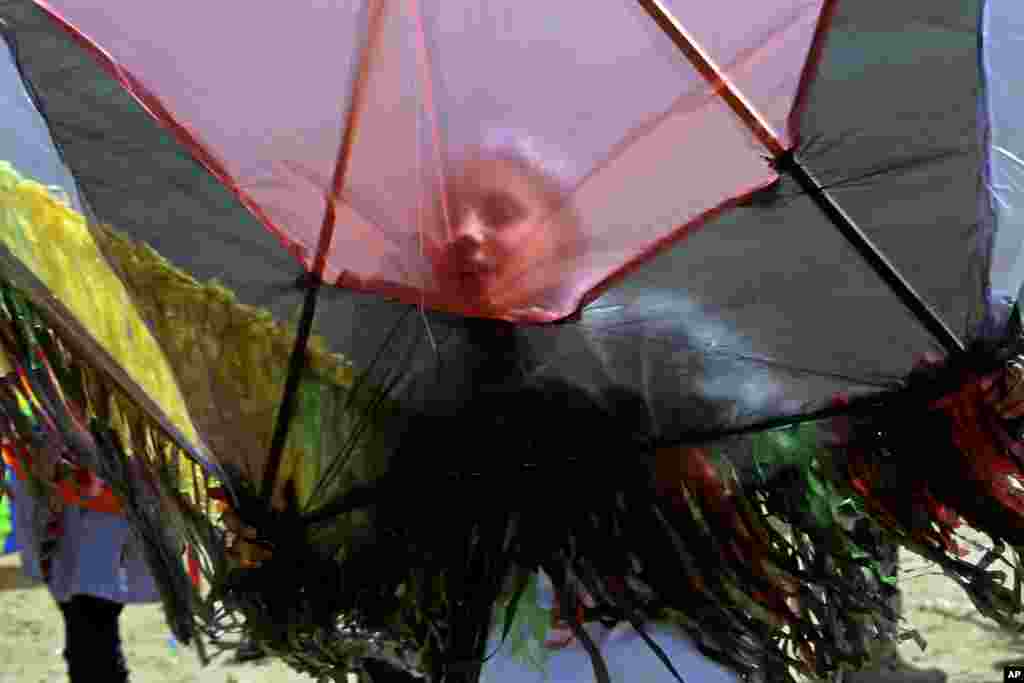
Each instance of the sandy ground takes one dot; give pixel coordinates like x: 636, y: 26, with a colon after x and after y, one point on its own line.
x: 32, y: 637
x: 967, y: 646
x: 960, y: 642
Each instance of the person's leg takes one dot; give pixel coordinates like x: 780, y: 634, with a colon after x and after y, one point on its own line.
x: 92, y: 640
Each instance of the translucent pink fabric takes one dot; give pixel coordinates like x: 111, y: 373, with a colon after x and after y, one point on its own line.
x: 590, y: 93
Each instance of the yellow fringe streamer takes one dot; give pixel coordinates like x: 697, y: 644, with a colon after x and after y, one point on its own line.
x: 215, y: 366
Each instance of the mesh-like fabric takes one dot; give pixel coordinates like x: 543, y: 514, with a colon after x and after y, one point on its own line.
x: 231, y: 361
x: 53, y: 242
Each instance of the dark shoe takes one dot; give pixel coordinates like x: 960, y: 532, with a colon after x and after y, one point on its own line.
x: 114, y: 671
x: 92, y: 640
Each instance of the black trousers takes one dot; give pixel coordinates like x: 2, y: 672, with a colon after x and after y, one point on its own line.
x: 92, y: 640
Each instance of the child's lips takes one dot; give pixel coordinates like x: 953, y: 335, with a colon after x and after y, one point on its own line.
x: 475, y: 269
x: 470, y: 263
x: 475, y: 281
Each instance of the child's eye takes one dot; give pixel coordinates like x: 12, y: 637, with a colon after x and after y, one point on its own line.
x: 499, y: 209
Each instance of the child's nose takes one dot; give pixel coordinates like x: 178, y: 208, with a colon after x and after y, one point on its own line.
x: 471, y: 232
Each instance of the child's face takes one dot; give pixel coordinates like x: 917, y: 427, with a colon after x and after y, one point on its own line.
x: 502, y: 238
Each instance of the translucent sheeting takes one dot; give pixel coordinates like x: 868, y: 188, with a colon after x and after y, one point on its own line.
x: 25, y: 140
x: 763, y: 311
x: 1002, y: 110
x: 396, y: 97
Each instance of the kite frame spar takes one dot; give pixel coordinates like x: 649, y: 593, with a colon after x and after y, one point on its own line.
x: 312, y: 281
x: 785, y: 160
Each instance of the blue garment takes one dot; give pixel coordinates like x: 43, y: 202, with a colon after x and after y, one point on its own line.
x: 98, y: 553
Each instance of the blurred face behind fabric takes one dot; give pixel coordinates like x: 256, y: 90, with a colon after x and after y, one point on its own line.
x: 504, y: 237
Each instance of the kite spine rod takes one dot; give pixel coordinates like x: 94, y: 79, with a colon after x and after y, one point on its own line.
x: 296, y: 366
x: 785, y: 161
x: 789, y: 163
x: 313, y: 280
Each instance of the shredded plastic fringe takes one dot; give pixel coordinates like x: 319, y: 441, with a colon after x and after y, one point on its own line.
x: 939, y: 458
x: 760, y: 564
x: 78, y: 440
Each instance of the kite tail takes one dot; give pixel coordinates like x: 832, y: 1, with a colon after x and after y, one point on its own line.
x: 939, y: 459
